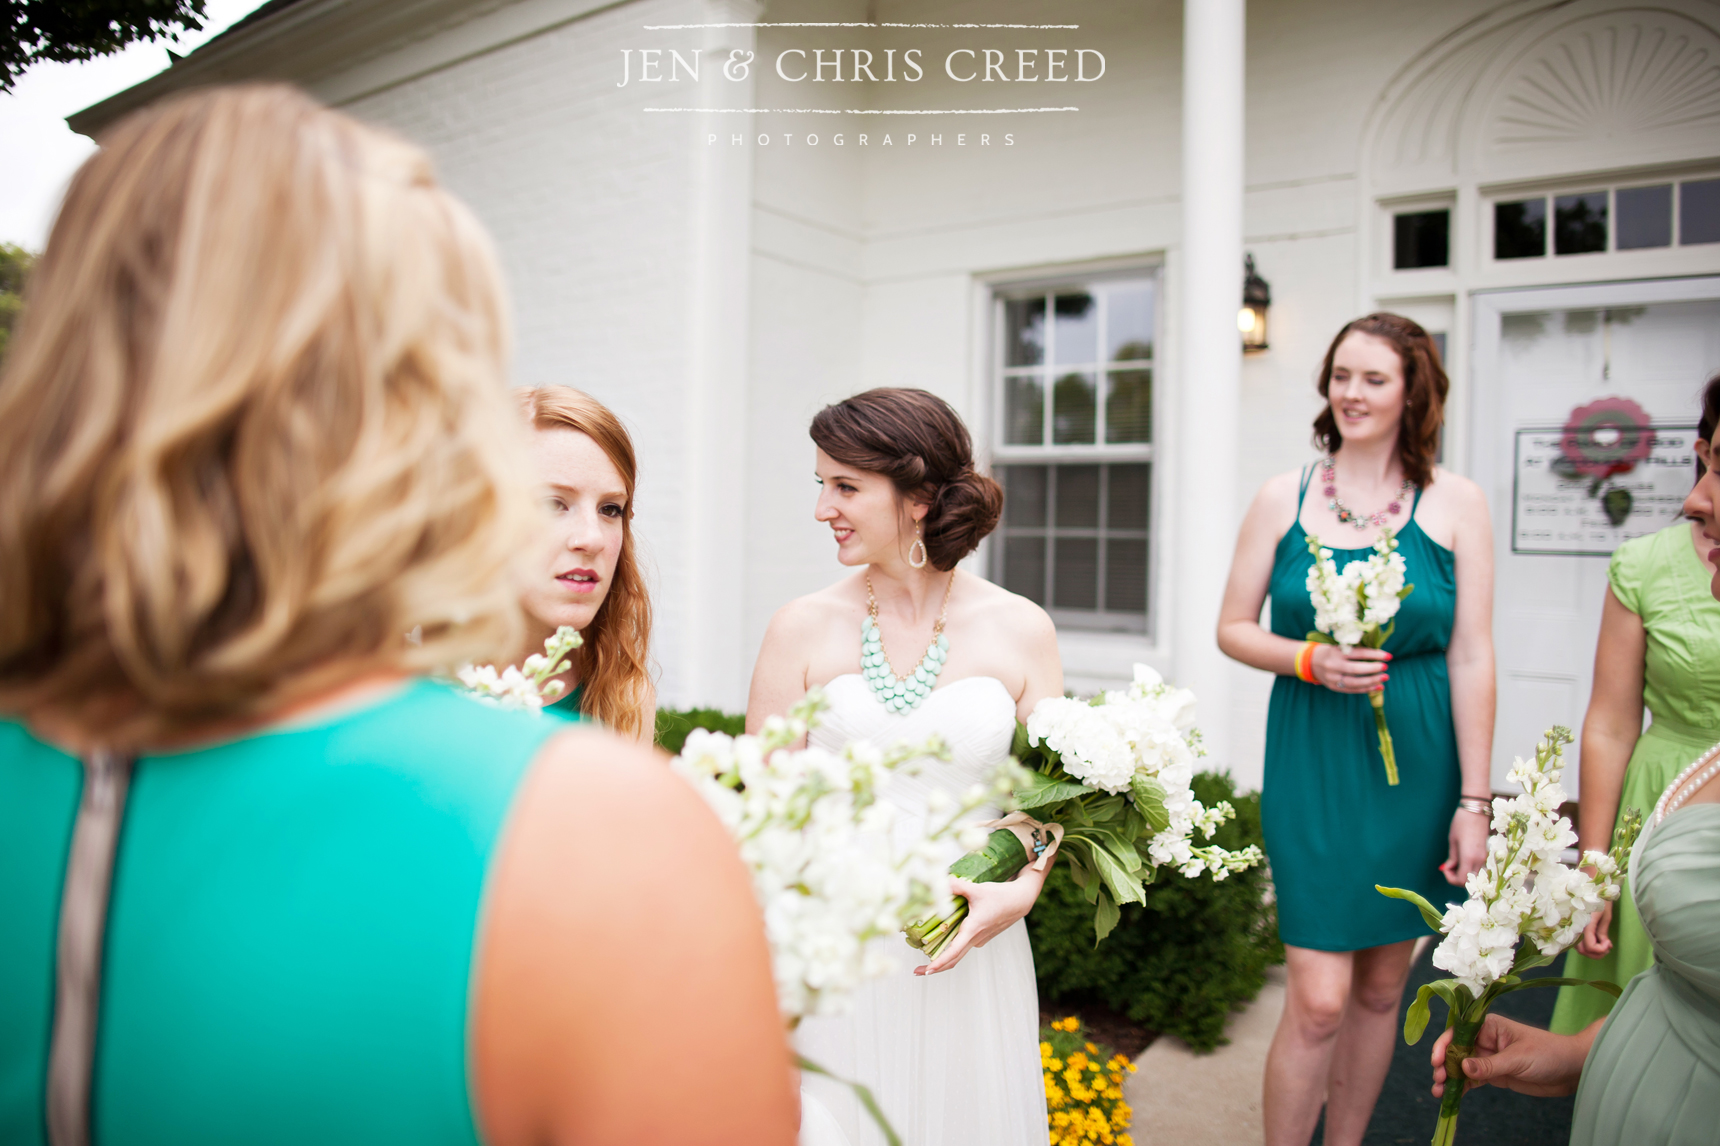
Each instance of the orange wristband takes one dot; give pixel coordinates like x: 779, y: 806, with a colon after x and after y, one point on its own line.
x: 1305, y: 663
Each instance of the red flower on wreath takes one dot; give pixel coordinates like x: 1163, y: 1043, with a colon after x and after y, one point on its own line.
x: 1606, y: 437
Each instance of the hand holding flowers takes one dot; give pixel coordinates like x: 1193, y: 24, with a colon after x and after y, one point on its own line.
x: 1359, y: 607
x: 1523, y: 891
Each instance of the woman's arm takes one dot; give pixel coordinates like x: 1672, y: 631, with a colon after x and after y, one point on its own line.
x: 993, y: 907
x: 597, y: 942
x: 1610, y: 731
x: 1240, y: 636
x: 1470, y: 665
x: 779, y: 677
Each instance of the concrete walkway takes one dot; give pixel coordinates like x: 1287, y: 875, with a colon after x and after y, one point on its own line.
x: 1185, y: 1099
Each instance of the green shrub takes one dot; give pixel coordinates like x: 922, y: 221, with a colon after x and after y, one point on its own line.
x: 674, y: 724
x: 1180, y: 964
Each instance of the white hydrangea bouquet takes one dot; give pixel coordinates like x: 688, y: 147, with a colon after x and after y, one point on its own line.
x: 1108, y: 780
x: 1359, y: 607
x: 1523, y: 891
x: 529, y: 685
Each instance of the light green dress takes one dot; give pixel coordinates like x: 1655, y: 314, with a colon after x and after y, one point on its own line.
x: 290, y: 935
x: 1661, y: 580
x: 1652, y: 1077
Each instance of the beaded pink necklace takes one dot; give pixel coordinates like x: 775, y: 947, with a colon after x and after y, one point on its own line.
x: 1348, y: 516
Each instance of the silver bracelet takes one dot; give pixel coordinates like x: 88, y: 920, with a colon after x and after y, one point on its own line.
x: 1477, y: 805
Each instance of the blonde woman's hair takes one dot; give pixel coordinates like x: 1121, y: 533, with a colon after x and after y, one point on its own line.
x: 254, y: 427
x: 614, y: 664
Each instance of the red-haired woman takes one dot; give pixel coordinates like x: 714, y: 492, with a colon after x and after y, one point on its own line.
x: 590, y: 578
x: 1334, y: 827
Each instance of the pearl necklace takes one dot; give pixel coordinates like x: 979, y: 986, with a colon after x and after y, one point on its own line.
x: 901, y: 693
x: 1348, y: 516
x: 1701, y: 770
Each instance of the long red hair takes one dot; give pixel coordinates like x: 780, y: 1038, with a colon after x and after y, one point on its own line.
x: 614, y: 663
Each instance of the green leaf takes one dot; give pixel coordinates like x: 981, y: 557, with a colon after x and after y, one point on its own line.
x: 1123, y: 886
x: 1109, y: 808
x: 1321, y: 638
x: 1551, y: 981
x: 1039, y: 790
x: 1406, y: 591
x: 1020, y: 746
x: 1415, y: 1019
x: 1105, y: 918
x: 1528, y: 956
x: 860, y: 1092
x: 1433, y: 918
x: 1119, y: 847
x: 1150, y: 802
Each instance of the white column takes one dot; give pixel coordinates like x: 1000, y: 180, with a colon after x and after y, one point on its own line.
x: 1211, y: 354
x: 713, y: 569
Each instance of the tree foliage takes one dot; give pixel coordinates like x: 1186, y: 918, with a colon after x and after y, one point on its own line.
x: 67, y: 30
x: 15, y: 264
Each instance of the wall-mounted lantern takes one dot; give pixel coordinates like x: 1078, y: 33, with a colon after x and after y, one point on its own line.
x: 1256, y: 298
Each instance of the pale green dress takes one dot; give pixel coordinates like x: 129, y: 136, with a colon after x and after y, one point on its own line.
x: 1652, y: 1077
x: 1661, y: 580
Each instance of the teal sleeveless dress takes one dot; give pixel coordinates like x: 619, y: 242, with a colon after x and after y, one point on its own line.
x: 1334, y: 828
x: 290, y: 934
x: 568, y: 706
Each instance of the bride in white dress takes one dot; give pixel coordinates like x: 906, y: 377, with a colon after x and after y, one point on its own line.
x: 949, y: 1049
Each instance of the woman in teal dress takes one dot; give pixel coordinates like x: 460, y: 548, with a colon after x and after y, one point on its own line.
x: 1648, y: 1074
x: 588, y: 573
x: 1334, y: 826
x: 260, y: 880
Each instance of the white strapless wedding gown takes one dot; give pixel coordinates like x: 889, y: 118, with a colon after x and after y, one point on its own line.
x: 952, y: 1058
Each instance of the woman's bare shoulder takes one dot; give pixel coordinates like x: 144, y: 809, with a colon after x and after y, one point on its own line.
x: 1456, y: 490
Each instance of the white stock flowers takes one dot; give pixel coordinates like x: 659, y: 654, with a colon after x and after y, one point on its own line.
x: 1523, y: 891
x: 1109, y: 779
x: 529, y: 685
x: 833, y: 864
x: 1359, y: 607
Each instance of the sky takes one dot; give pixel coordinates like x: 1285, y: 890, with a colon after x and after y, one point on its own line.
x: 39, y: 153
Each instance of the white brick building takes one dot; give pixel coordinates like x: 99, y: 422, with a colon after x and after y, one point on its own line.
x: 1385, y: 154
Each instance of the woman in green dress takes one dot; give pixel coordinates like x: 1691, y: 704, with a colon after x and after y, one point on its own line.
x: 1649, y: 1073
x: 589, y: 575
x: 1334, y: 827
x: 261, y: 880
x: 1659, y: 630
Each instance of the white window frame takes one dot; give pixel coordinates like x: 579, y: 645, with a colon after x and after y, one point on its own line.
x: 1005, y: 290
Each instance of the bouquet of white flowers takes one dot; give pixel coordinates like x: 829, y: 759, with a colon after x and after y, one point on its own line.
x: 529, y: 685
x: 1359, y: 607
x: 1110, y: 780
x: 1523, y: 891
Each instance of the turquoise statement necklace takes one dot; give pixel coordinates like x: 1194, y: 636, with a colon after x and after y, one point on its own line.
x: 901, y: 693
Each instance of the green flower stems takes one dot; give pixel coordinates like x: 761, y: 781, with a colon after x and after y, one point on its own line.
x: 1000, y: 859
x: 1462, y: 1045
x: 1377, y: 698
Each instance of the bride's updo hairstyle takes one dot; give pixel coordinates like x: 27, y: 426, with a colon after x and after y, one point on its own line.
x: 916, y: 440
x: 254, y: 426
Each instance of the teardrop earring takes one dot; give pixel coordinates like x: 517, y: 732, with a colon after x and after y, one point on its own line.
x: 921, y: 546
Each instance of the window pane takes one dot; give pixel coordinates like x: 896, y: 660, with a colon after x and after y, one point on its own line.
x: 1023, y: 494
x: 1075, y: 573
x: 1520, y: 229
x: 1129, y: 406
x: 1421, y: 239
x: 1644, y: 216
x: 1699, y: 212
x: 1126, y: 576
x: 1074, y: 410
x: 1077, y: 497
x: 1129, y: 322
x: 1128, y: 500
x: 1023, y: 411
x: 1077, y: 329
x: 1580, y: 223
x: 1024, y: 332
x: 1024, y: 566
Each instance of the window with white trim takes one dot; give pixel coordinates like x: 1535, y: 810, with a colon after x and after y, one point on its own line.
x: 1073, y: 447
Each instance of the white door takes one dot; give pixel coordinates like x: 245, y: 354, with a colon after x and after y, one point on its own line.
x: 1560, y: 377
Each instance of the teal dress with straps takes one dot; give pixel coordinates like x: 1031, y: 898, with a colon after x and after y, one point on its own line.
x: 291, y: 932
x: 1334, y: 828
